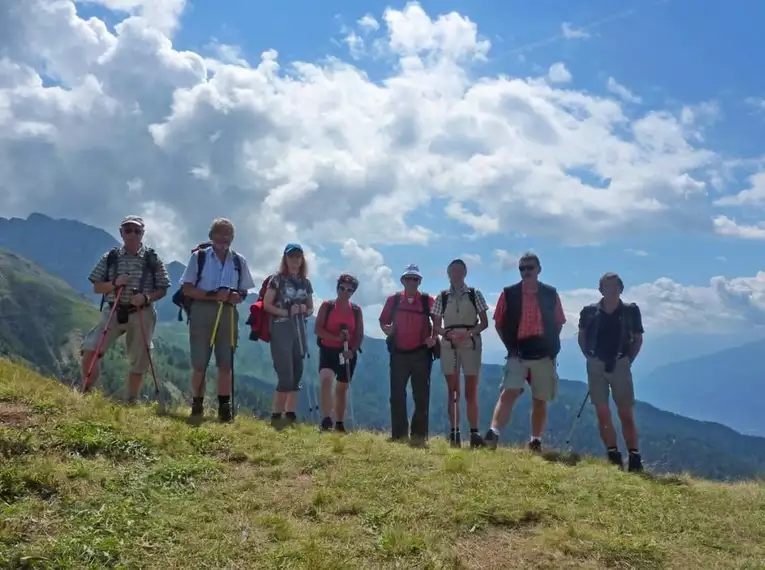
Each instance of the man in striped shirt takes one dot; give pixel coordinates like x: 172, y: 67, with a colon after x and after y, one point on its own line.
x: 138, y: 276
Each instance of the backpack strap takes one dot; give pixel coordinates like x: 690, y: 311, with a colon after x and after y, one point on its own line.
x: 471, y: 294
x: 357, y: 315
x: 201, y: 259
x: 150, y: 262
x: 444, y: 299
x: 111, y: 261
x: 238, y: 267
x: 330, y: 306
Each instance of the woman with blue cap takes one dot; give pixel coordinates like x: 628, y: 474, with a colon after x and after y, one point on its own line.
x: 289, y: 301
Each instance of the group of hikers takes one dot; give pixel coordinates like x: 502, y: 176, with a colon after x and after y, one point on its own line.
x: 419, y: 329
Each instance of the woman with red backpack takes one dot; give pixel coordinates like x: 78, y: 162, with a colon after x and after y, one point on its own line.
x: 339, y: 333
x: 288, y: 301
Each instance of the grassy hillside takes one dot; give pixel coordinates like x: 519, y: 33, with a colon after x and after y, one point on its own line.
x: 42, y: 325
x: 85, y: 483
x: 40, y: 315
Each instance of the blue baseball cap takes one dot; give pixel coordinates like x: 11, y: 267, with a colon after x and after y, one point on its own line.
x: 293, y: 247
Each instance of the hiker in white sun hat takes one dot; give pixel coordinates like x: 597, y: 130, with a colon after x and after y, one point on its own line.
x: 412, y: 343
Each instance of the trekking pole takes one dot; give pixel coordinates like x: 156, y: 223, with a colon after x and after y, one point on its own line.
x: 213, y: 337
x: 299, y: 328
x: 233, y: 353
x: 455, y: 395
x: 347, y: 363
x: 162, y: 408
x: 573, y: 424
x: 86, y: 380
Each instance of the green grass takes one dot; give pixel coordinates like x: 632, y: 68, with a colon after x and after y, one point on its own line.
x: 86, y: 483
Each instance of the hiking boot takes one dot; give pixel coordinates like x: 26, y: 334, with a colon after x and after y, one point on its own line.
x: 326, y: 424
x: 276, y: 421
x: 340, y: 427
x: 535, y: 446
x: 418, y: 441
x: 634, y: 463
x: 476, y: 440
x: 224, y: 412
x: 615, y: 457
x: 290, y: 418
x: 197, y: 409
x: 455, y: 439
x: 491, y: 439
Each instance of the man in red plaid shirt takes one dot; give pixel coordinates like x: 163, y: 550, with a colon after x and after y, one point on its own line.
x: 528, y: 318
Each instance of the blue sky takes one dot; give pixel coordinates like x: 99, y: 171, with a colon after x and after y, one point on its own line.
x: 696, y: 68
x: 671, y: 53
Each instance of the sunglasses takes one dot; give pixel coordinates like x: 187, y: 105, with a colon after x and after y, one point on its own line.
x: 131, y: 230
x: 411, y: 278
x: 523, y: 268
x: 344, y: 289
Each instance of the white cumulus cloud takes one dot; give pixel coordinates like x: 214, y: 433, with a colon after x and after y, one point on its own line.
x: 98, y: 120
x: 558, y: 73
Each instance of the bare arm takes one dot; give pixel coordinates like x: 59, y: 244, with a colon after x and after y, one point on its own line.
x: 309, y: 305
x: 637, y: 344
x: 360, y: 332
x: 483, y: 322
x: 193, y: 292
x: 269, y: 307
x: 582, y: 338
x: 319, y: 329
x: 437, y: 324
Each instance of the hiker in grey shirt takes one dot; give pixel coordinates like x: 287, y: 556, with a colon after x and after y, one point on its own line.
x: 289, y: 301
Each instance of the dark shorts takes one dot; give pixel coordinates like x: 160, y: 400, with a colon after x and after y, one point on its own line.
x: 329, y: 358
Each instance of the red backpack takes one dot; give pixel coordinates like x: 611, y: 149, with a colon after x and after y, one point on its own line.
x: 259, y: 320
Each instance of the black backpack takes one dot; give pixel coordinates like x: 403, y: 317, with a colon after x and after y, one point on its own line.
x: 150, y: 263
x: 356, y: 314
x: 182, y: 301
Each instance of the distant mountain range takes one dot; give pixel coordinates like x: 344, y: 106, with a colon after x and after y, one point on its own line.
x: 672, y: 372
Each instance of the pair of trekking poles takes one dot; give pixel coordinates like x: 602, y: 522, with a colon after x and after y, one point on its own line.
x: 232, y: 340
x: 299, y: 321
x: 102, y: 338
x: 314, y: 399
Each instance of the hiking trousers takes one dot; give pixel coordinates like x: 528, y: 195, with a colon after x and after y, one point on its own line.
x: 286, y: 355
x: 403, y: 366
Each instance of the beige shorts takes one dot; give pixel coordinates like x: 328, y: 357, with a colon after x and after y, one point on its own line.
x: 543, y: 375
x: 464, y: 357
x: 617, y: 382
x: 135, y: 345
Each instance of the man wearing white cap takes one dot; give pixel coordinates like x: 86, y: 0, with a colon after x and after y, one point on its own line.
x: 406, y: 320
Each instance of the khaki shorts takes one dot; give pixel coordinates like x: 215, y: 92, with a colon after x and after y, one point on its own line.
x: 135, y: 345
x: 464, y: 357
x: 618, y: 382
x: 543, y: 374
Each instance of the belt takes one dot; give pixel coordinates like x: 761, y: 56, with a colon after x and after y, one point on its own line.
x: 452, y: 327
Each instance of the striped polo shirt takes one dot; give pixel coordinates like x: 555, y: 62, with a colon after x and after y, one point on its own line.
x: 131, y: 264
